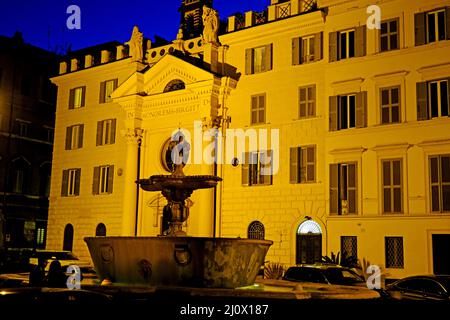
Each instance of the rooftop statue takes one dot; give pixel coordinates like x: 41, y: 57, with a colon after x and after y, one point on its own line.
x: 210, y: 25
x: 136, y: 45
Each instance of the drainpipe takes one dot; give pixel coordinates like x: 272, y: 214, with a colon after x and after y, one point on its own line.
x: 138, y: 174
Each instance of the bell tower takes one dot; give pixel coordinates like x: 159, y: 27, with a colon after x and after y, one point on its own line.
x: 191, y: 17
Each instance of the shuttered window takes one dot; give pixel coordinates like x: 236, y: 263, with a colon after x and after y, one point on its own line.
x: 440, y: 183
x: 392, y: 186
x: 307, y: 101
x: 432, y: 26
x: 390, y: 105
x: 348, y: 111
x: 258, y: 59
x: 347, y: 44
x: 77, y: 97
x: 303, y: 164
x: 103, y: 180
x: 343, y: 189
x: 433, y: 99
x: 307, y: 49
x: 257, y: 168
x: 389, y: 35
x: 106, y: 89
x: 106, y: 132
x: 74, y: 137
x: 258, y: 109
x: 71, y: 183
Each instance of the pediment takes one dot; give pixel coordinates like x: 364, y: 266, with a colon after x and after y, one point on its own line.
x: 154, y: 79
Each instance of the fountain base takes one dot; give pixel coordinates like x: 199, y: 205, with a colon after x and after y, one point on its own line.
x: 178, y: 261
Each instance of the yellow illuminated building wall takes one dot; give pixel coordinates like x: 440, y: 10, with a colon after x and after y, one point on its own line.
x: 364, y: 134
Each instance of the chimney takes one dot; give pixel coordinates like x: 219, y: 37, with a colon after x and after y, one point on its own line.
x: 74, y: 65
x: 211, y: 56
x: 62, y: 67
x: 88, y: 60
x: 105, y: 56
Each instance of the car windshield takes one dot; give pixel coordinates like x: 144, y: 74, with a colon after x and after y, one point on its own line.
x: 445, y: 282
x: 342, y: 276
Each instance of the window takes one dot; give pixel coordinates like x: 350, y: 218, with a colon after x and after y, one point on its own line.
x: 71, y: 183
x: 307, y: 100
x: 17, y: 183
x: 389, y: 35
x: 100, y: 231
x: 77, y: 98
x: 303, y: 164
x: 74, y: 137
x: 19, y: 175
x: 258, y: 59
x: 394, y: 252
x: 390, y: 105
x: 103, y: 180
x: 348, y: 44
x: 257, y: 168
x: 68, y: 238
x: 22, y: 128
x: 349, y: 246
x: 258, y: 112
x: 106, y: 89
x: 432, y: 26
x: 40, y: 236
x: 348, y: 111
x: 307, y: 49
x: 343, y: 189
x: 392, y: 186
x: 50, y: 133
x: 106, y: 132
x: 440, y: 183
x: 433, y: 99
x: 256, y: 230
x: 175, y: 85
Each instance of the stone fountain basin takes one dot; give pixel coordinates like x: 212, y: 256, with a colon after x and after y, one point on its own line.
x: 178, y: 261
x: 160, y: 182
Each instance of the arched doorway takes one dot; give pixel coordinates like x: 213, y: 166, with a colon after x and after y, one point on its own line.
x: 309, y: 243
x: 68, y: 238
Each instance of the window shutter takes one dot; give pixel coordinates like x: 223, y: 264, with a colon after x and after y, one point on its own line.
x: 296, y: 50
x: 264, y: 178
x: 447, y: 15
x: 262, y: 107
x: 102, y: 91
x: 80, y: 136
x: 352, y: 184
x: 116, y: 82
x: 294, y: 165
x: 113, y: 131
x: 99, y: 133
x: 71, y: 98
x: 333, y: 113
x: 96, y: 181
x: 245, y: 169
x: 303, y: 157
x: 68, y: 138
x: 333, y: 40
x: 77, y: 182
x: 361, y: 109
x: 110, y: 179
x: 334, y: 188
x: 83, y: 96
x: 419, y: 28
x: 249, y: 61
x: 268, y: 58
x: 318, y: 47
x: 311, y: 174
x: 65, y: 183
x: 360, y: 41
x: 422, y: 101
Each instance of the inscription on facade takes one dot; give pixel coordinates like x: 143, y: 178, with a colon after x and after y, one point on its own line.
x: 171, y: 111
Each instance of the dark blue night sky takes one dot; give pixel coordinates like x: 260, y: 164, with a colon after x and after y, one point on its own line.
x: 43, y: 23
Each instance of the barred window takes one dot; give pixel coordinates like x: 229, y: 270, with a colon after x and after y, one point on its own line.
x: 256, y: 230
x: 394, y: 252
x: 349, y: 246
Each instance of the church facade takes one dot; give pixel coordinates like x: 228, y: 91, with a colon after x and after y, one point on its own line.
x: 351, y: 121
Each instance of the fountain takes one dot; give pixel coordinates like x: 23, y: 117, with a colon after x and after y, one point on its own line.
x: 175, y: 259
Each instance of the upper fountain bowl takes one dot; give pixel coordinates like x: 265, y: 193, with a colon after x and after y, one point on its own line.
x: 160, y: 182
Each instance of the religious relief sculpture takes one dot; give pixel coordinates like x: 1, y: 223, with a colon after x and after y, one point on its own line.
x: 210, y: 25
x: 136, y: 45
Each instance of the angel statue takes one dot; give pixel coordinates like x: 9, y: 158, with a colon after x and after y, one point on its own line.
x: 210, y: 25
x: 136, y: 45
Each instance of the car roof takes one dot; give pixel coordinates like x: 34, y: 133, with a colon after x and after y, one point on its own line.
x: 321, y: 266
x: 426, y: 276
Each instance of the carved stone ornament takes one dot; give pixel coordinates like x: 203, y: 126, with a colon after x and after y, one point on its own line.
x: 210, y: 26
x: 136, y: 45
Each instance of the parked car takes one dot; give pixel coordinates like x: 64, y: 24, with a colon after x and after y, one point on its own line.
x: 324, y: 273
x: 427, y: 287
x: 66, y: 258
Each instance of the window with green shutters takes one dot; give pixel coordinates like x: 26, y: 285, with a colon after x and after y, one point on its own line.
x: 106, y: 132
x: 432, y: 26
x: 258, y: 59
x: 433, y: 99
x: 257, y: 168
x: 77, y: 97
x: 106, y: 89
x: 392, y: 186
x: 348, y: 111
x: 71, y: 182
x: 440, y: 183
x: 303, y: 164
x: 347, y: 44
x: 307, y: 49
x: 103, y: 180
x: 74, y: 137
x: 343, y: 189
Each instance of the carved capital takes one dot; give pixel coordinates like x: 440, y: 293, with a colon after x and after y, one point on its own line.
x: 133, y: 135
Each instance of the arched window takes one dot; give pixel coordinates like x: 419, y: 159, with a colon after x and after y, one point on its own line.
x: 256, y: 230
x: 100, y: 231
x: 68, y: 238
x: 309, y: 227
x: 174, y: 85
